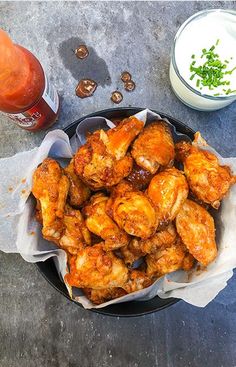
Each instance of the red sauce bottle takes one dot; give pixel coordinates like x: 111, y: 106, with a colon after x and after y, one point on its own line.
x: 26, y: 95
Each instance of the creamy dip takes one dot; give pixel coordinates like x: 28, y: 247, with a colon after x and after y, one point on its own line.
x: 205, y: 29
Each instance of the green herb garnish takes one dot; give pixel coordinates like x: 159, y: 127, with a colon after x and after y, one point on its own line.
x: 212, y: 72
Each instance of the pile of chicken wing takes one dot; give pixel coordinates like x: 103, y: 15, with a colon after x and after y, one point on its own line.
x: 130, y: 207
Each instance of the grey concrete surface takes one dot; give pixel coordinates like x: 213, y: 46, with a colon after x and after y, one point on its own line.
x: 38, y: 326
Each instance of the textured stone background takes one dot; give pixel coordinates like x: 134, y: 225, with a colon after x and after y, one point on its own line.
x: 38, y: 326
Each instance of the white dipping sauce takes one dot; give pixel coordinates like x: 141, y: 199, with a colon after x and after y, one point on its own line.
x: 201, y: 32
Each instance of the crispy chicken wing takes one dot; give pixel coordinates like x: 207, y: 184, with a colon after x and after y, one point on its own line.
x: 95, y: 268
x: 207, y: 179
x: 168, y: 259
x: 137, y: 280
x: 78, y: 191
x: 102, y: 162
x: 50, y: 186
x: 138, y: 248
x: 98, y: 296
x: 197, y: 231
x: 154, y: 147
x: 133, y: 211
x: 132, y: 252
x: 76, y: 235
x: 168, y: 190
x: 99, y: 223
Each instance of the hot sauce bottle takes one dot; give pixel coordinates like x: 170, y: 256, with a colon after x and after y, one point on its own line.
x: 26, y: 96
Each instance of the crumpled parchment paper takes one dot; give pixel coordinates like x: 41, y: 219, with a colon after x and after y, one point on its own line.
x: 20, y: 233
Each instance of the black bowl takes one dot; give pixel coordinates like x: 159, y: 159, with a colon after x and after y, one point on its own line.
x: 48, y: 269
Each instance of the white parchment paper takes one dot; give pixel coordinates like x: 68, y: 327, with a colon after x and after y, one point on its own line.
x: 20, y: 233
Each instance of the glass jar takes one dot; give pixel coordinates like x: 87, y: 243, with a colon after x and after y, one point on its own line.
x: 182, y: 89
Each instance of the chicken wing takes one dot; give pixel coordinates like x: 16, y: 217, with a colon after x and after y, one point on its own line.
x: 38, y: 212
x: 138, y: 248
x: 76, y: 235
x: 139, y: 177
x: 102, y: 162
x: 78, y: 191
x: 121, y: 136
x: 137, y: 280
x: 154, y: 147
x: 98, y: 296
x: 168, y: 190
x: 207, y: 179
x: 132, y: 211
x: 132, y: 252
x: 95, y: 268
x: 99, y: 223
x: 168, y: 259
x: 197, y: 231
x: 50, y: 186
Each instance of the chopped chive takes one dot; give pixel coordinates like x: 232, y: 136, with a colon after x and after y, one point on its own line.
x: 229, y: 91
x: 230, y: 71
x: 216, y: 94
x: 212, y: 71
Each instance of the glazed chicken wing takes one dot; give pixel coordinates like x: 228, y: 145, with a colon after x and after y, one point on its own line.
x: 197, y: 231
x: 139, y: 177
x: 78, y: 191
x: 168, y: 259
x: 99, y: 223
x: 121, y: 136
x: 154, y: 147
x: 76, y: 235
x: 168, y: 190
x: 207, y: 179
x: 102, y: 162
x: 50, y: 187
x: 132, y: 211
x: 95, y: 268
x: 138, y: 248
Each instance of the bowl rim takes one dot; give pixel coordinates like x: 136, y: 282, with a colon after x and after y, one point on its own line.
x: 107, y: 311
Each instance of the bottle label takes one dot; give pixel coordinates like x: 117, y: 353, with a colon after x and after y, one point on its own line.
x: 36, y: 117
x: 50, y: 95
